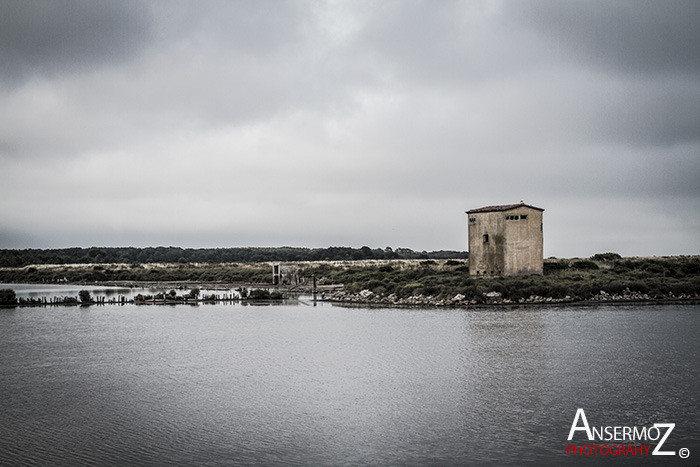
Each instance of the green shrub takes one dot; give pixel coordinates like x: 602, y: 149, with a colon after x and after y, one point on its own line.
x: 85, y: 296
x: 550, y: 267
x: 558, y: 291
x: 584, y: 265
x: 606, y: 257
x: 8, y: 297
x: 652, y: 266
x: 690, y: 267
x: 259, y: 294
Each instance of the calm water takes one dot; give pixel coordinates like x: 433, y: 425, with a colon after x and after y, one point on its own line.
x: 297, y: 385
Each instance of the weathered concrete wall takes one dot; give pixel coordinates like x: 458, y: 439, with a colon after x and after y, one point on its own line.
x: 514, y: 244
x: 524, y: 242
x: 486, y: 254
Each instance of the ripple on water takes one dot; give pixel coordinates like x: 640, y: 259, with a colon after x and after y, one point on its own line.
x: 288, y: 385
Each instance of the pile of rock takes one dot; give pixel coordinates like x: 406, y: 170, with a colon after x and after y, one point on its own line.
x: 493, y: 298
x: 367, y: 296
x: 626, y: 294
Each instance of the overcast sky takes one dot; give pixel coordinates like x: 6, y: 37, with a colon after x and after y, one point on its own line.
x: 332, y: 123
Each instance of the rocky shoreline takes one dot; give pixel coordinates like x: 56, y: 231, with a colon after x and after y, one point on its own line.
x: 367, y: 297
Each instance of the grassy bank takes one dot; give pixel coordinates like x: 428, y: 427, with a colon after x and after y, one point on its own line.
x: 91, y: 273
x: 571, y: 279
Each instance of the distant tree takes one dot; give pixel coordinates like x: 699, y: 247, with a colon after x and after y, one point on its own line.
x: 194, y: 293
x: 95, y: 253
x: 18, y: 258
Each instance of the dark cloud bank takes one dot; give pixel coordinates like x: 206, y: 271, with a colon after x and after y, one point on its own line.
x: 348, y: 123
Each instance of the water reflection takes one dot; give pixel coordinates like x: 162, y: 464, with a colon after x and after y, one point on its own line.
x: 506, y: 355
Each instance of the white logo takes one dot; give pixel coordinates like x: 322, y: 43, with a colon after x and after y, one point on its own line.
x: 658, y: 432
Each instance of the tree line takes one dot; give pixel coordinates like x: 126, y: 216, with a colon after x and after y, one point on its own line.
x: 20, y: 258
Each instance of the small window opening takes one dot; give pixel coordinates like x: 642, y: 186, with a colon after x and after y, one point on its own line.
x: 486, y: 238
x: 523, y: 217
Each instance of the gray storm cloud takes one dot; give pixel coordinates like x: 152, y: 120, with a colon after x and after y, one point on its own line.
x: 49, y: 38
x: 348, y: 123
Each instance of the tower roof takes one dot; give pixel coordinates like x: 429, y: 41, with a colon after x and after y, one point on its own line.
x: 502, y: 207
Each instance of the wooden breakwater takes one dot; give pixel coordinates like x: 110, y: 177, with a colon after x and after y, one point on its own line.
x: 241, y: 294
x: 101, y: 301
